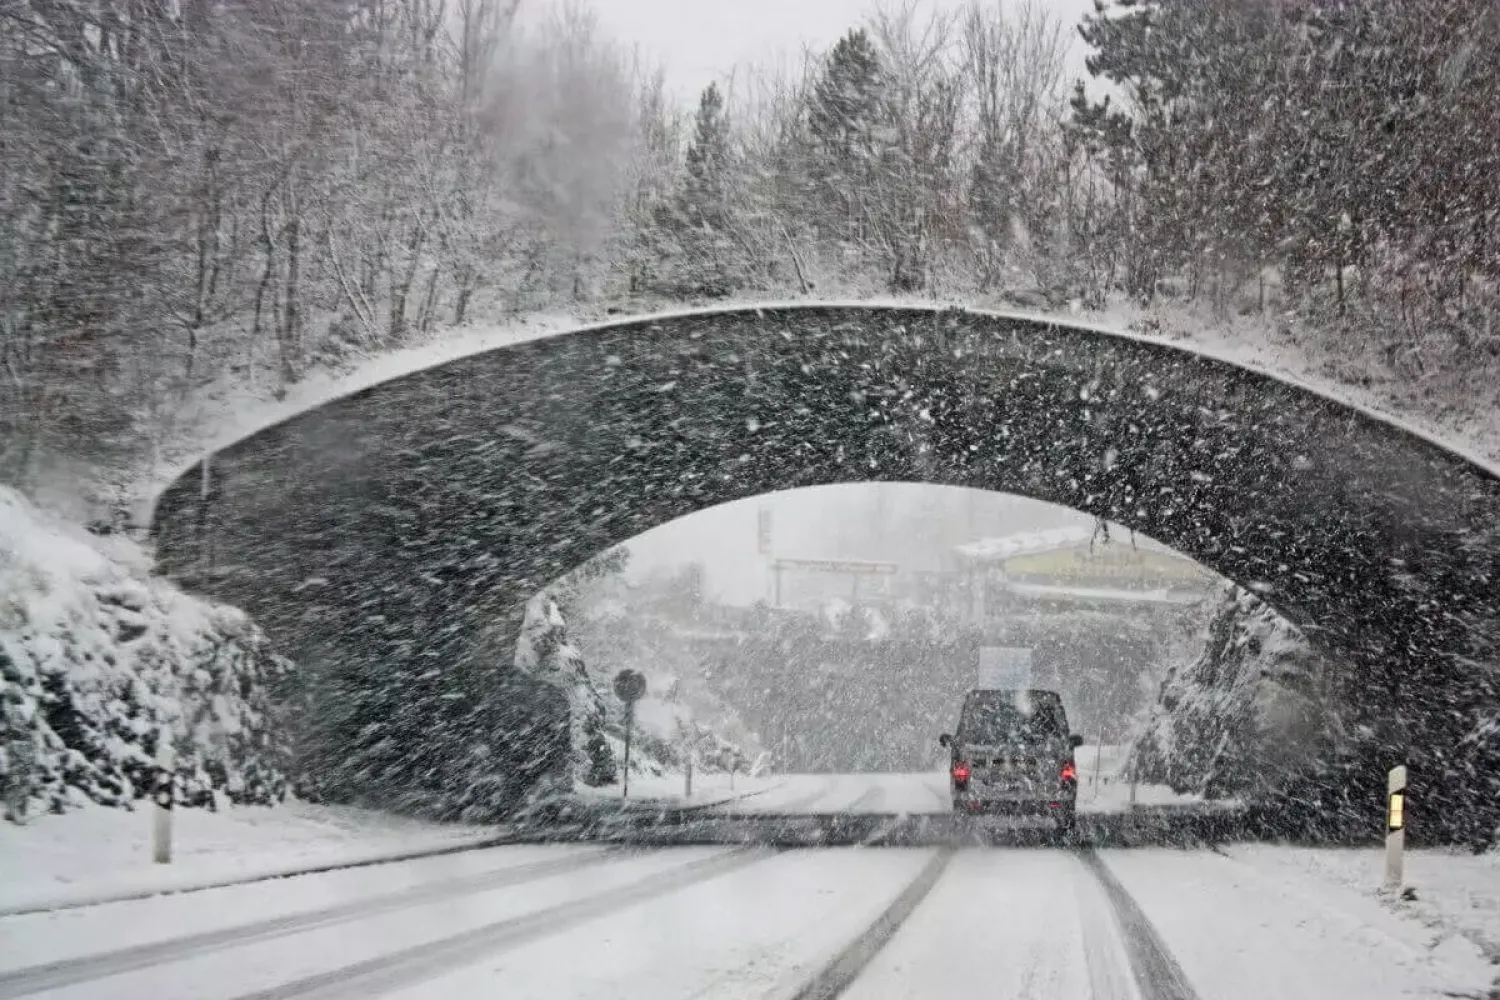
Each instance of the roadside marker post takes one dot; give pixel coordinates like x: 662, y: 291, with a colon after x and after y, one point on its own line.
x: 1395, y: 827
x: 1098, y: 756
x: 161, y: 819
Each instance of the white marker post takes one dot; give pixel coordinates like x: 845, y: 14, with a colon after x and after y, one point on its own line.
x: 687, y: 791
x: 1395, y: 827
x: 161, y: 820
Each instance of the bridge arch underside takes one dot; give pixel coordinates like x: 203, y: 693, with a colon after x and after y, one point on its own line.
x: 406, y: 524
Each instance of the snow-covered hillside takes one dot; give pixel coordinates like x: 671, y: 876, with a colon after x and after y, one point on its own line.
x: 1245, y: 714
x: 96, y: 657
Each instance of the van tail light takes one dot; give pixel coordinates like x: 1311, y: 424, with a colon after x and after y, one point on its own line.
x: 961, y: 771
x: 1069, y: 772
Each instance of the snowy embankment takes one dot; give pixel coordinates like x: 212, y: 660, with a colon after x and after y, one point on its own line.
x: 97, y: 658
x: 671, y: 791
x: 96, y: 854
x: 1453, y: 894
x: 1323, y: 918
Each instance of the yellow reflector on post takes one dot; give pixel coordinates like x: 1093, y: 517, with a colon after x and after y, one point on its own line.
x: 1393, y: 819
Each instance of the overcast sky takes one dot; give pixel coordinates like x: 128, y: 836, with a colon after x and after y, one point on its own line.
x: 906, y: 523
x: 698, y: 41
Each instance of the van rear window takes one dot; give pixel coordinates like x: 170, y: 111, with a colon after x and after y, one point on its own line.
x: 1006, y: 717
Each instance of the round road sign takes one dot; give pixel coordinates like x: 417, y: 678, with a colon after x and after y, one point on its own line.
x: 630, y: 685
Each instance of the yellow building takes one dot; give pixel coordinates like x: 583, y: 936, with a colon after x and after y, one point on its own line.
x: 1075, y: 566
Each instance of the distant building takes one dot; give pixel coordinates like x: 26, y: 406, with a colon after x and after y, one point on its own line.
x: 1071, y: 567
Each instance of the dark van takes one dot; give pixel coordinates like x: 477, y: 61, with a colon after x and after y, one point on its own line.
x: 1013, y: 753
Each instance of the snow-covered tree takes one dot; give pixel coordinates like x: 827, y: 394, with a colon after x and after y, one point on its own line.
x: 545, y: 653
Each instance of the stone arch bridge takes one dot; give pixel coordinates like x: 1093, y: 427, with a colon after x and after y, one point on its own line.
x: 388, y: 539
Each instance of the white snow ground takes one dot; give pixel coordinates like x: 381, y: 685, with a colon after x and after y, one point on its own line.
x: 589, y: 921
x: 1019, y: 924
x: 96, y: 852
x: 1249, y: 931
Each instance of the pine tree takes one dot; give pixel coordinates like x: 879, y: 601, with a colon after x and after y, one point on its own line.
x: 844, y: 123
x: 708, y: 260
x: 601, y: 758
x: 705, y: 195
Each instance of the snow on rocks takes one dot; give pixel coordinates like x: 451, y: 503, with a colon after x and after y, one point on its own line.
x: 96, y: 657
x: 1243, y: 715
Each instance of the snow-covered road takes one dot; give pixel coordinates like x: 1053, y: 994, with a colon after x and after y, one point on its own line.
x: 552, y: 922
x: 917, y: 793
x: 594, y: 920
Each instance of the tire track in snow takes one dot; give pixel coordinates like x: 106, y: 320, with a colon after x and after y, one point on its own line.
x: 837, y: 976
x: 795, y: 805
x: 1104, y: 949
x: 71, y: 971
x: 866, y: 801
x: 1157, y: 974
x: 407, y: 966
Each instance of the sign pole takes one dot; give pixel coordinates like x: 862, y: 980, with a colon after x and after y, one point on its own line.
x: 1395, y: 827
x: 629, y: 724
x: 630, y: 687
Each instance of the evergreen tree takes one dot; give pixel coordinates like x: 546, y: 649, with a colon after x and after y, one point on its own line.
x: 699, y: 221
x: 705, y: 189
x: 845, y: 116
x: 601, y: 757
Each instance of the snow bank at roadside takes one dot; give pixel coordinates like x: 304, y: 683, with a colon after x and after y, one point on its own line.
x: 1454, y: 894
x: 96, y: 854
x: 96, y: 657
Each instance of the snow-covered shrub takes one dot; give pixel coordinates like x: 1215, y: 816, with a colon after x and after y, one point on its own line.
x: 96, y: 657
x: 1244, y: 716
x: 544, y: 652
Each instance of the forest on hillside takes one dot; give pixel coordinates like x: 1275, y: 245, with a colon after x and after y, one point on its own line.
x: 250, y: 190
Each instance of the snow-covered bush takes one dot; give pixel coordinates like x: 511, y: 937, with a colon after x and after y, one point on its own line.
x: 1248, y: 713
x: 544, y: 652
x: 96, y: 657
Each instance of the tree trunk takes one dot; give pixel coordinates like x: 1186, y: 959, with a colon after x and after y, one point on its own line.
x: 290, y: 340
